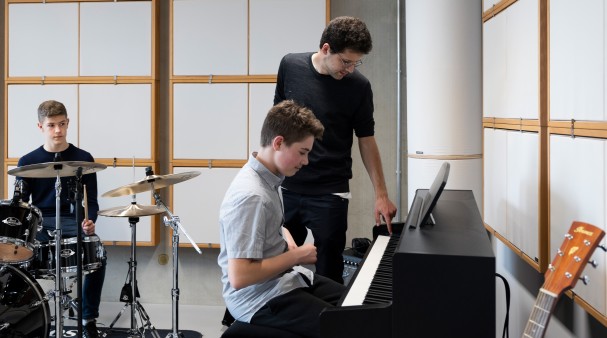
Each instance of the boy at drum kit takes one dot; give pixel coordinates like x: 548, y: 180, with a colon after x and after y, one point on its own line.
x: 53, y: 122
x: 263, y: 282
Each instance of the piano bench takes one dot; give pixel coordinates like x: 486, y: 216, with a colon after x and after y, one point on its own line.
x: 246, y: 330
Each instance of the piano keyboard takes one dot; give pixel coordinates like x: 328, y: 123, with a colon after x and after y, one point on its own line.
x: 373, y: 283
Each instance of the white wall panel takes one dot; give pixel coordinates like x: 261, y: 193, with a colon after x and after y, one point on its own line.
x: 43, y: 39
x: 210, y: 121
x: 261, y: 100
x: 577, y: 60
x: 511, y: 62
x: 495, y: 184
x: 494, y: 70
x: 116, y: 120
x: 23, y: 101
x: 278, y: 27
x: 577, y: 193
x: 116, y: 38
x: 197, y: 202
x: 210, y: 37
x: 523, y: 191
x: 522, y: 68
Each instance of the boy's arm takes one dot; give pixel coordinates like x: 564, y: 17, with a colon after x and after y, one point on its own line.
x: 244, y: 272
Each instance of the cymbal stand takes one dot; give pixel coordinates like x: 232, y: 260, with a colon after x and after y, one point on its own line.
x: 60, y: 300
x: 58, y: 233
x: 77, y: 203
x: 133, y: 302
x: 175, y: 224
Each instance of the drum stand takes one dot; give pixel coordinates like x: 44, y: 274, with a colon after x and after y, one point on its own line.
x: 176, y: 226
x: 67, y: 302
x: 60, y: 299
x: 133, y: 302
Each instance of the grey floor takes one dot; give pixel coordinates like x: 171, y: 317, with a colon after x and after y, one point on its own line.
x: 200, y: 318
x: 203, y: 319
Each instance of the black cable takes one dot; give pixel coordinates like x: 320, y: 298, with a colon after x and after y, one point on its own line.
x: 505, y: 333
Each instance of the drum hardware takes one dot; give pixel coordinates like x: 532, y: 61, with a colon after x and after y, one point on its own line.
x: 67, y: 302
x: 150, y: 183
x: 59, y: 169
x: 133, y: 212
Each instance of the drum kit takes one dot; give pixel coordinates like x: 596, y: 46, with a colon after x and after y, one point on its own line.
x: 24, y: 306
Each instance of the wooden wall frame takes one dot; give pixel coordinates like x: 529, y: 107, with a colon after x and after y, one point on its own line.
x: 547, y: 129
x: 77, y: 79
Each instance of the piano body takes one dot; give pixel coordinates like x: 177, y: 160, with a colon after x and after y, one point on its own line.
x: 432, y: 281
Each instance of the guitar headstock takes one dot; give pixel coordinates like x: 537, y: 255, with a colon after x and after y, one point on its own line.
x: 572, y: 257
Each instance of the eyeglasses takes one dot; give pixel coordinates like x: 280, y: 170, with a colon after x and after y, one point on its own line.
x: 348, y: 63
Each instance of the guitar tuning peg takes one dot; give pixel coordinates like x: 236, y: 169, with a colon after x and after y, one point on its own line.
x: 585, y: 279
x: 593, y: 263
x: 602, y: 246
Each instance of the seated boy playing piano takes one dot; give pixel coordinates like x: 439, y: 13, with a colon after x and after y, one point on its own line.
x: 263, y: 282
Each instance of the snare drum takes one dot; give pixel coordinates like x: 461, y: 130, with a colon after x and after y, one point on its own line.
x: 93, y: 253
x: 19, y: 224
x: 24, y: 312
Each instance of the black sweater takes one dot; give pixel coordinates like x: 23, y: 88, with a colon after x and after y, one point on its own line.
x: 343, y: 106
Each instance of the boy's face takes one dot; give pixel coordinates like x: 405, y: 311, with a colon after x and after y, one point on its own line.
x: 289, y: 159
x: 54, y: 129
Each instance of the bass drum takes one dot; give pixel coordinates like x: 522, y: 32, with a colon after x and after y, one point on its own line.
x: 24, y: 313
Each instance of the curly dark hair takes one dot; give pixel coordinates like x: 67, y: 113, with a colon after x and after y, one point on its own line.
x: 346, y: 32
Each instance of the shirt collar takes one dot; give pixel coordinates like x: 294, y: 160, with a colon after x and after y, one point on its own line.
x: 273, y: 180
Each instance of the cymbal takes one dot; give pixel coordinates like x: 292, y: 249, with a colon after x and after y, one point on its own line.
x: 54, y: 169
x: 132, y: 210
x: 159, y: 181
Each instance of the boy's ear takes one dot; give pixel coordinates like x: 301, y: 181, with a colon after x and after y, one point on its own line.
x: 277, y: 142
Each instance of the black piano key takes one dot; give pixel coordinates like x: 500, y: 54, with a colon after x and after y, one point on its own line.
x: 380, y: 290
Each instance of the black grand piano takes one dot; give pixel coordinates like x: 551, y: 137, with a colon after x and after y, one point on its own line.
x: 430, y: 281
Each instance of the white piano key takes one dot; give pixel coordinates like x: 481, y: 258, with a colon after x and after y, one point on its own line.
x: 360, y: 286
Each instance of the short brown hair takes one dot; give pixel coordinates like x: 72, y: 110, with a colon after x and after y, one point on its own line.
x: 50, y: 108
x: 291, y: 121
x: 346, y: 32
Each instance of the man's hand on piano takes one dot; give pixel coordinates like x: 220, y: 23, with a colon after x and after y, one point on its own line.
x: 384, y: 208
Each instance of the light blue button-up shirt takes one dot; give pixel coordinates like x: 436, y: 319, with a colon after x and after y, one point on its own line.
x: 250, y: 220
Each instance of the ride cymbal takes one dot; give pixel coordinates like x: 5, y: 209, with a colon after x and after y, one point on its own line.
x: 150, y: 183
x: 54, y: 169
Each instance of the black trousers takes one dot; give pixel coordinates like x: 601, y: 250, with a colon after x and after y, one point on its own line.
x: 327, y: 217
x: 299, y: 310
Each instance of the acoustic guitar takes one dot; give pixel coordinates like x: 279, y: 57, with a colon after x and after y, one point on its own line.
x: 562, y: 274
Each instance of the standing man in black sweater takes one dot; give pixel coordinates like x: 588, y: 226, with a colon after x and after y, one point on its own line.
x: 328, y: 83
x: 53, y: 123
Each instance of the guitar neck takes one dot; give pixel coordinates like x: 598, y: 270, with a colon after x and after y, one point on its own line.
x: 540, y: 315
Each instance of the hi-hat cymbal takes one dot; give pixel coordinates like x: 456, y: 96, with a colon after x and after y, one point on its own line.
x: 54, y: 169
x: 132, y: 210
x: 158, y: 181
